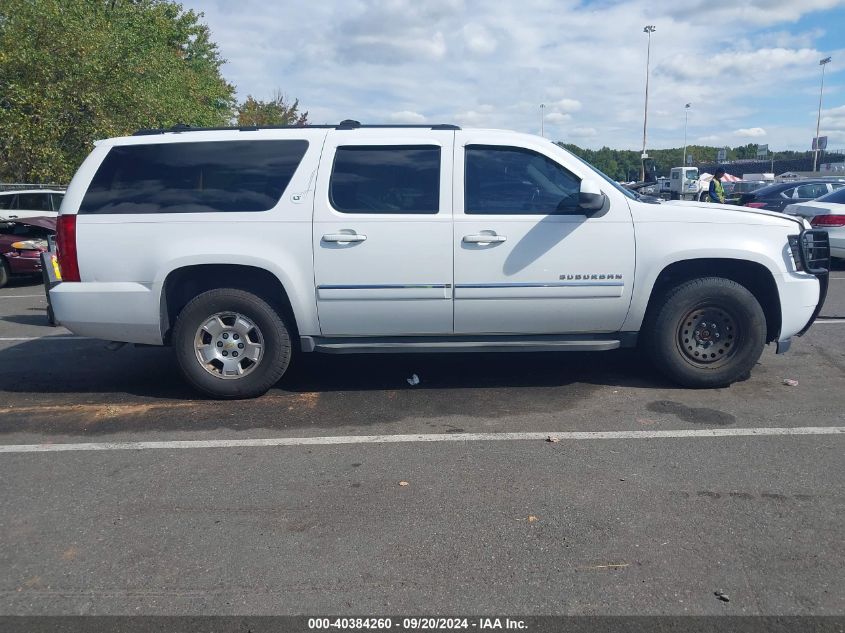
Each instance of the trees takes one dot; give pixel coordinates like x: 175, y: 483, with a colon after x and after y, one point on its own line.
x: 276, y: 111
x: 72, y: 72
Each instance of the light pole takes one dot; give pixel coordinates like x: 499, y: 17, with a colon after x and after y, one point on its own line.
x: 686, y: 116
x: 823, y: 62
x: 648, y: 29
x: 542, y: 119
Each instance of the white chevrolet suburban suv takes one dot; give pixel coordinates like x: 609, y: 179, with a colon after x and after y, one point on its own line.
x: 242, y: 247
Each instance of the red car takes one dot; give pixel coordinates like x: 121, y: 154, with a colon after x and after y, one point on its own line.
x: 21, y: 243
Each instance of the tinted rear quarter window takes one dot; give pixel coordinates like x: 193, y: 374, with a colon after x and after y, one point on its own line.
x: 386, y: 179
x: 34, y: 201
x: 201, y: 177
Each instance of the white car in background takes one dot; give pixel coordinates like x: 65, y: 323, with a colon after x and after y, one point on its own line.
x: 828, y: 213
x: 30, y: 203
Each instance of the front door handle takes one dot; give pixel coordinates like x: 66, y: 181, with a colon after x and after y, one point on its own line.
x: 344, y: 237
x: 484, y: 239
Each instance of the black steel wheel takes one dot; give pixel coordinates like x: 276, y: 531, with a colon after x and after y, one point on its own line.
x: 706, y: 332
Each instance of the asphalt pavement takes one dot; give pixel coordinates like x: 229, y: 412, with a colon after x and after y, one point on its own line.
x: 319, y: 497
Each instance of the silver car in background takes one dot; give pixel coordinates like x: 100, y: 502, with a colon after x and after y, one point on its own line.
x: 828, y: 213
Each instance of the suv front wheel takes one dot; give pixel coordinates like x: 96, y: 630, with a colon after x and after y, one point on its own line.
x: 231, y: 344
x: 707, y: 332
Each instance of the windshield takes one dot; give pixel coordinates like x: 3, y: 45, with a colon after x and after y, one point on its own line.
x: 626, y: 192
x: 691, y: 174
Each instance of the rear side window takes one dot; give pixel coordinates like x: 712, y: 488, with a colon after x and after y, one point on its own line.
x: 6, y: 202
x: 34, y: 201
x: 386, y: 179
x: 215, y: 176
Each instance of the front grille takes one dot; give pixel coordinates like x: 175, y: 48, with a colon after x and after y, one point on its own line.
x: 815, y: 251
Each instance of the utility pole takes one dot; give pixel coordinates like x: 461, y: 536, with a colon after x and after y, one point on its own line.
x: 686, y: 116
x: 542, y: 119
x: 649, y: 29
x: 824, y: 62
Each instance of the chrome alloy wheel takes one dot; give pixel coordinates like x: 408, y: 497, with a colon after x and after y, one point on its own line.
x: 708, y: 336
x: 229, y: 345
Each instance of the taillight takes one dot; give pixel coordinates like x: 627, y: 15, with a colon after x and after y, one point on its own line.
x: 828, y: 220
x: 755, y: 205
x: 66, y: 247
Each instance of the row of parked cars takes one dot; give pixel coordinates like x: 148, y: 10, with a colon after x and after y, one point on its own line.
x: 27, y: 222
x: 822, y: 202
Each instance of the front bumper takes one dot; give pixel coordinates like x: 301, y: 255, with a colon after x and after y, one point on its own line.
x: 824, y: 282
x: 24, y: 265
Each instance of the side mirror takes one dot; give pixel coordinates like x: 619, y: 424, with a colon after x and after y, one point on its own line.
x: 590, y: 197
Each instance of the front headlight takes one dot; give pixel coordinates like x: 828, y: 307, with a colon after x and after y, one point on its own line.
x: 795, y: 249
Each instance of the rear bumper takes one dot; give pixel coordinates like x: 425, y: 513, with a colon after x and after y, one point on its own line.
x: 127, y: 312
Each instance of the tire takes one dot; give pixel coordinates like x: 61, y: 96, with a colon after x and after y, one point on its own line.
x: 683, y: 344
x: 231, y: 323
x: 4, y: 273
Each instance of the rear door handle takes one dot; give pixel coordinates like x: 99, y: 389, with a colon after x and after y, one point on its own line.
x: 484, y: 239
x: 344, y: 237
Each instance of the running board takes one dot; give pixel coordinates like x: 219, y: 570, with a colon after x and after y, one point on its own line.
x: 439, y: 346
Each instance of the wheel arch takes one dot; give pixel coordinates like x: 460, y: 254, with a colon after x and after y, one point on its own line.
x: 184, y: 283
x: 756, y: 277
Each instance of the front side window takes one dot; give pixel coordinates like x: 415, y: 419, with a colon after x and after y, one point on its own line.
x: 211, y: 176
x: 810, y: 191
x: 386, y: 179
x: 502, y: 180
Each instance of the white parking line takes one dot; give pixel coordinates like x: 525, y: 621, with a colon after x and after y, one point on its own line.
x: 423, y: 437
x: 45, y: 337
x: 823, y: 320
x: 42, y: 295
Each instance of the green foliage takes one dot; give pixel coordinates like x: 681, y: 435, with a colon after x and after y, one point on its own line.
x: 276, y: 111
x: 74, y: 71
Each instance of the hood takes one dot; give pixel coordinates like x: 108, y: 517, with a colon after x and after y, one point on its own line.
x: 40, y: 221
x: 731, y: 208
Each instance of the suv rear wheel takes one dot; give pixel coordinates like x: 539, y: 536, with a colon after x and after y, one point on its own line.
x: 231, y: 344
x: 707, y: 332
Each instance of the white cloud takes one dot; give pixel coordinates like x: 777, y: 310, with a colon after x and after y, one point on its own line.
x: 758, y: 12
x: 557, y: 117
x: 583, y: 132
x: 567, y: 105
x: 406, y: 116
x: 492, y: 64
x: 478, y: 39
x: 750, y: 132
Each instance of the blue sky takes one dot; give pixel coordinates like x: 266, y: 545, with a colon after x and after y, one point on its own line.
x: 750, y: 69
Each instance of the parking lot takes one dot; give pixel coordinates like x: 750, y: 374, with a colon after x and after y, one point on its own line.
x: 317, y: 498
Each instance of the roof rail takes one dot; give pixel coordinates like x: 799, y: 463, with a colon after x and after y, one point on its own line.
x: 346, y: 124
